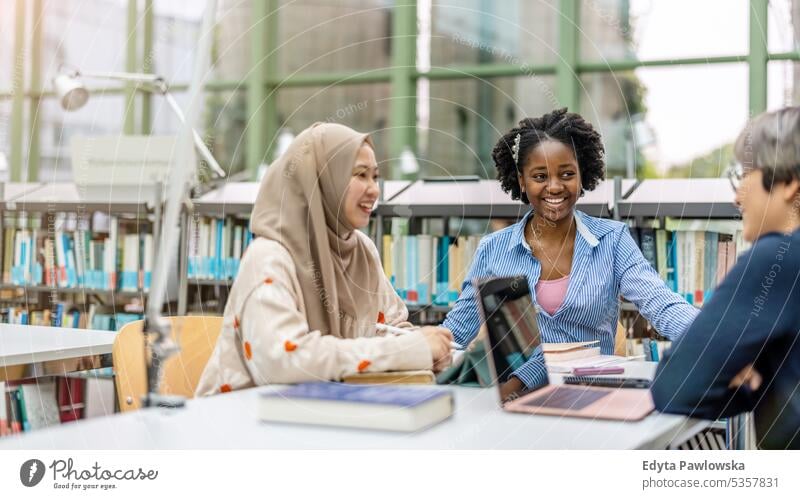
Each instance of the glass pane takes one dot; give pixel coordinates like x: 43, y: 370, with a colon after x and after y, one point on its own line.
x: 100, y: 116
x: 782, y: 90
x: 5, y: 143
x: 614, y: 29
x: 6, y: 43
x: 330, y: 35
x: 176, y: 27
x: 484, y: 31
x: 89, y: 36
x: 362, y: 107
x: 231, y: 51
x: 467, y: 117
x: 783, y: 24
x: 224, y: 118
x: 673, y: 121
x: 612, y: 102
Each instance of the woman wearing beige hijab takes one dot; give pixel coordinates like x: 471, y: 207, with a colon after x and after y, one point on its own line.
x: 310, y: 286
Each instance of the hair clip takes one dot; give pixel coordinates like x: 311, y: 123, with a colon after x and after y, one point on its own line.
x: 515, y: 150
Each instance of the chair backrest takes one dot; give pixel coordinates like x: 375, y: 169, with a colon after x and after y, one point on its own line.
x: 196, y: 336
x: 621, y: 340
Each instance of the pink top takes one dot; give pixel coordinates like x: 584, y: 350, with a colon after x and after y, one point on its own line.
x: 550, y: 294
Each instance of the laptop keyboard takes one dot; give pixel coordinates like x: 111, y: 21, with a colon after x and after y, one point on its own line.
x: 564, y: 397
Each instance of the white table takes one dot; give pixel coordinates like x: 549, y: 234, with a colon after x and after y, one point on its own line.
x: 33, y: 351
x: 229, y: 421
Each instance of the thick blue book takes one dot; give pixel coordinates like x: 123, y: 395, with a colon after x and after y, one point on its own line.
x: 361, y: 406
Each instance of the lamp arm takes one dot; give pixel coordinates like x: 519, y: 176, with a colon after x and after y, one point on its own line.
x: 114, y: 75
x: 198, y: 141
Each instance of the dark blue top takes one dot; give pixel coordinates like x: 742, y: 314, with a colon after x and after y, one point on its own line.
x: 753, y: 317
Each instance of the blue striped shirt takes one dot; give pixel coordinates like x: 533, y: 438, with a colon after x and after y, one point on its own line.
x: 606, y: 263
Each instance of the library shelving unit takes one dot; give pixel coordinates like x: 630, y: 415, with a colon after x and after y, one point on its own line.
x: 41, y: 202
x: 61, y: 268
x: 653, y: 201
x: 230, y: 201
x: 680, y: 198
x: 446, y: 199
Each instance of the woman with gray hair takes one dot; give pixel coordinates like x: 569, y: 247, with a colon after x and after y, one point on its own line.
x: 742, y: 352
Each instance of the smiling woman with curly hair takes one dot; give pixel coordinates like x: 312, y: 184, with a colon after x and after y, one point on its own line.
x: 577, y: 265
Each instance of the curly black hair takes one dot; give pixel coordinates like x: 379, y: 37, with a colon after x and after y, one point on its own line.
x: 568, y: 128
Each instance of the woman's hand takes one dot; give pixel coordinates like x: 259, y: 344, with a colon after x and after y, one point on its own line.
x: 747, y: 377
x: 438, y: 339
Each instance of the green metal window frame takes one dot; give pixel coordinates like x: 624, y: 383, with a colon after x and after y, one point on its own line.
x: 263, y: 83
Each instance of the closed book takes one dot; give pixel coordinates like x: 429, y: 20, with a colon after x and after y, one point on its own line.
x: 70, y: 399
x: 359, y: 406
x: 425, y: 269
x: 722, y: 265
x: 442, y: 271
x: 40, y: 406
x: 661, y: 254
x: 648, y: 245
x: 4, y: 429
x: 578, y: 353
x: 420, y: 377
x: 567, y: 347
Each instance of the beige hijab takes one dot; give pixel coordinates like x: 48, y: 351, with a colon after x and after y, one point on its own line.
x: 300, y: 204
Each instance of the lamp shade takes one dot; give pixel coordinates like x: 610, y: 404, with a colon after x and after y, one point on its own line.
x: 71, y: 93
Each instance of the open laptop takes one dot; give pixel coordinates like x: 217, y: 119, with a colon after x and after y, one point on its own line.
x: 513, y: 337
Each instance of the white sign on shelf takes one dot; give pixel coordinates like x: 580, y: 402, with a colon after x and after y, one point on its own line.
x: 122, y: 161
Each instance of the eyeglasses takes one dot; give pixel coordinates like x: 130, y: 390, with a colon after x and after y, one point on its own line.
x: 735, y: 174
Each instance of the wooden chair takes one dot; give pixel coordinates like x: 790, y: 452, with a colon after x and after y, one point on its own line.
x: 621, y: 341
x: 181, y: 373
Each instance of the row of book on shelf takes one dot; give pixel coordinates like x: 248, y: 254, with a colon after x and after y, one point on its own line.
x: 692, y: 256
x: 41, y: 403
x: 70, y: 315
x: 61, y: 250
x: 215, y: 247
x: 426, y: 269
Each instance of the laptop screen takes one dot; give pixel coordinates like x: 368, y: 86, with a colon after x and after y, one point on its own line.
x: 512, y: 331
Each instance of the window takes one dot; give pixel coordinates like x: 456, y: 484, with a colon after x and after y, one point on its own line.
x: 482, y: 31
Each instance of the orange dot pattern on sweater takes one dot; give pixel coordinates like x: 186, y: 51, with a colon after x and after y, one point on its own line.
x: 236, y: 323
x: 248, y: 351
x: 363, y: 365
x: 289, y: 346
x: 381, y: 318
x: 268, y: 280
x: 225, y: 388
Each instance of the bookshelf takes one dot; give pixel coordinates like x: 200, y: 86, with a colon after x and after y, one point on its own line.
x: 649, y: 203
x: 481, y: 199
x: 461, y: 199
x: 73, y: 256
x: 61, y: 228
x: 680, y: 198
x: 231, y: 201
x: 689, y: 230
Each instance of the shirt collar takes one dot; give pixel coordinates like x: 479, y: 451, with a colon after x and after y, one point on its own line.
x: 584, y: 231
